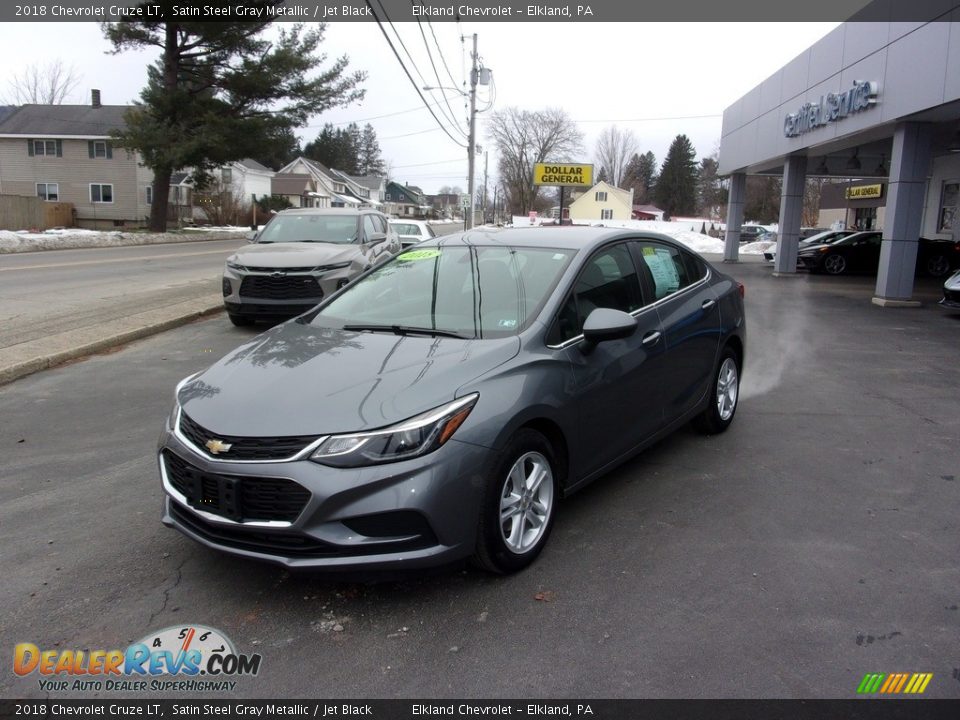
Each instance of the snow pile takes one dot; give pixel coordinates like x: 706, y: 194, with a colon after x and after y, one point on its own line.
x: 756, y: 248
x: 74, y: 238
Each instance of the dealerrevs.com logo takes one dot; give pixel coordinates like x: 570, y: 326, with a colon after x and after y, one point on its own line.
x: 189, y: 658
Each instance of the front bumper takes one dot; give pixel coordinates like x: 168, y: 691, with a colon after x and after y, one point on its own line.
x: 810, y: 262
x: 951, y: 299
x: 265, y: 295
x: 417, y: 513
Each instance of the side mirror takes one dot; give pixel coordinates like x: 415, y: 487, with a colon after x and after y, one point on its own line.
x: 607, y: 324
x: 376, y: 238
x: 252, y: 235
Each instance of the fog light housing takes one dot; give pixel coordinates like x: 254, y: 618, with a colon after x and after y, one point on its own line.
x: 227, y: 289
x: 342, y: 283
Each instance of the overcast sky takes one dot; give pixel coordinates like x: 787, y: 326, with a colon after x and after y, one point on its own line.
x: 657, y: 79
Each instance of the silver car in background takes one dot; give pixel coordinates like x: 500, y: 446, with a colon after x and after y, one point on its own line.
x: 412, y: 232
x: 300, y: 257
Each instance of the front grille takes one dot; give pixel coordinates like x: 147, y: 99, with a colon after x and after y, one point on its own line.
x: 286, y: 270
x: 288, y: 287
x: 234, y: 497
x: 244, y: 448
x: 285, y: 543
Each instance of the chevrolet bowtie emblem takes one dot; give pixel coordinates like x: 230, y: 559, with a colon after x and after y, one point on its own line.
x: 218, y: 446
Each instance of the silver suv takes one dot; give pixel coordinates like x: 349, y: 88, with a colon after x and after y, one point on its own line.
x: 301, y: 256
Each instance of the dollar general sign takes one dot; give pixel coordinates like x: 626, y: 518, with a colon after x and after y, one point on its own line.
x: 568, y: 175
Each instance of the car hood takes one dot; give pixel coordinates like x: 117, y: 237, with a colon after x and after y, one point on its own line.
x: 811, y: 249
x: 297, y: 379
x: 294, y: 254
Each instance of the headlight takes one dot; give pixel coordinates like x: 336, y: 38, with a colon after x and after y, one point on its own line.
x: 411, y: 438
x: 335, y: 266
x: 233, y: 265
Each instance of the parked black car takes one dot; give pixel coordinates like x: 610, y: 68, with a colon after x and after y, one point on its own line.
x: 860, y: 253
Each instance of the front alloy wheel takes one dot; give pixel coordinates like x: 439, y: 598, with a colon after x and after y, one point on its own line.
x: 835, y: 264
x: 525, y: 502
x: 519, y: 504
x: 938, y: 266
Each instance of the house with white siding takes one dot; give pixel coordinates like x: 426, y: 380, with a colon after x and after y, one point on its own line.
x: 63, y: 153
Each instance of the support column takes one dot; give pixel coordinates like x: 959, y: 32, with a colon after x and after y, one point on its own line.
x: 735, y: 202
x: 791, y: 212
x: 906, y: 192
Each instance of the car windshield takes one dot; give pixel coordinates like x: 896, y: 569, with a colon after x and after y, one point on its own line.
x: 306, y: 227
x: 825, y: 238
x: 468, y: 291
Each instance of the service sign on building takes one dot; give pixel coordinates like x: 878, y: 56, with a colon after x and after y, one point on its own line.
x: 577, y: 175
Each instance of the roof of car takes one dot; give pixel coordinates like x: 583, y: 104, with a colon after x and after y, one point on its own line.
x: 329, y: 211
x: 566, y: 237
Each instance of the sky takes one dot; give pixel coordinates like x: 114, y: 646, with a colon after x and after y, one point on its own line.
x: 657, y: 79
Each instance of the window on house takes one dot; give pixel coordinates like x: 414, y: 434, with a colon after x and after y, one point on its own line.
x: 49, y: 191
x: 99, y: 148
x: 45, y: 147
x: 226, y: 175
x: 101, y: 193
x: 600, y: 196
x: 948, y: 219
x: 606, y: 214
x: 149, y: 190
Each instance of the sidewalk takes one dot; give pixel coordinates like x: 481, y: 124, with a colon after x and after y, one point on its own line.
x: 23, y: 359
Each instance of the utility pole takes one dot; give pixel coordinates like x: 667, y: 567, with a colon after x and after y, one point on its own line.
x: 471, y: 149
x: 483, y: 212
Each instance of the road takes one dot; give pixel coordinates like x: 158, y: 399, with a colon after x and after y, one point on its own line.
x: 812, y: 543
x: 44, y: 293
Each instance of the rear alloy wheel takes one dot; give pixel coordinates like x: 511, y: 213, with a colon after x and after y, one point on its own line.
x: 835, y: 264
x: 938, y: 266
x: 241, y: 321
x: 722, y: 405
x: 519, y: 505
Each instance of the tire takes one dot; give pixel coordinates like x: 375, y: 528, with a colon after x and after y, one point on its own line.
x: 834, y: 264
x: 508, y: 543
x: 240, y: 321
x: 938, y: 266
x: 723, y: 398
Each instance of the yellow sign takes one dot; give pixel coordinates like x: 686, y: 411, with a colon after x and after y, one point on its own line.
x: 864, y: 192
x: 569, y: 175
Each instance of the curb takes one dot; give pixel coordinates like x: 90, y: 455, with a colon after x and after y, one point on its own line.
x: 21, y: 369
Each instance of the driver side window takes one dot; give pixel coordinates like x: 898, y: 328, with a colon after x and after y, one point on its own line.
x: 608, y: 280
x: 368, y: 228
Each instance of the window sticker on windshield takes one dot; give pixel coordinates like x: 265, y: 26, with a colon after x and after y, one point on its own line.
x: 424, y: 254
x: 507, y: 323
x: 559, y: 256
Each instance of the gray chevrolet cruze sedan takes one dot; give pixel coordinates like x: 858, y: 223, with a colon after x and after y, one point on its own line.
x: 439, y: 407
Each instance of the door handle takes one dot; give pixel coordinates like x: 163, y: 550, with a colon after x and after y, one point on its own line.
x: 707, y: 304
x: 651, y: 338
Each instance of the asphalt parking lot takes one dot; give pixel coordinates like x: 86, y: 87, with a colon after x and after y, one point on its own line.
x: 814, y: 542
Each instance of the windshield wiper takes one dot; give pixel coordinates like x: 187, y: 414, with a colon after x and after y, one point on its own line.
x: 406, y: 330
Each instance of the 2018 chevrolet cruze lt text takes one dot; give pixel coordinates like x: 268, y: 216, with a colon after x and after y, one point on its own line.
x: 439, y: 406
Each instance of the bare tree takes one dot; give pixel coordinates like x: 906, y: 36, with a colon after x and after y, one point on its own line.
x: 524, y: 137
x: 613, y: 151
x: 49, y: 84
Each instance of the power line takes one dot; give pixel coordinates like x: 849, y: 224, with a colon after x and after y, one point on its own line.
x: 451, y: 117
x: 655, y: 119
x: 442, y: 58
x: 438, y: 162
x: 409, y: 76
x: 436, y: 72
x: 372, y: 117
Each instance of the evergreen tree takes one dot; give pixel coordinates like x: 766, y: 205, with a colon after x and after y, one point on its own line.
x: 710, y: 190
x: 370, y: 160
x: 335, y: 148
x: 676, y: 191
x: 640, y: 174
x: 284, y: 151
x: 221, y: 92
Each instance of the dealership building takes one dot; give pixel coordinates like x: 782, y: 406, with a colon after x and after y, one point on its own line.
x: 877, y: 103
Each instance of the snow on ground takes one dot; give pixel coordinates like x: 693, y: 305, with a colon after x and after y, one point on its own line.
x: 755, y: 248
x: 72, y: 238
